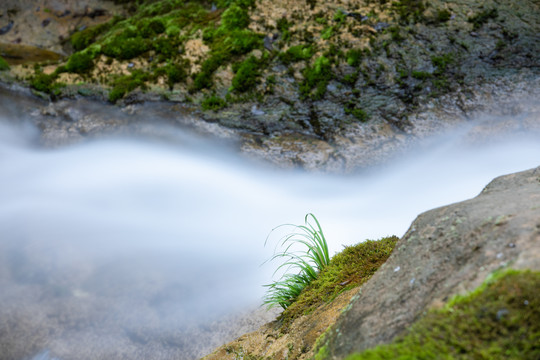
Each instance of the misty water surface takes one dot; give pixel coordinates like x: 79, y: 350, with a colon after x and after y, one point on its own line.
x: 125, y: 248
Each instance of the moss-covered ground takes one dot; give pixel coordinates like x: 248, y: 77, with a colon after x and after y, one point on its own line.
x: 499, y: 320
x: 347, y: 269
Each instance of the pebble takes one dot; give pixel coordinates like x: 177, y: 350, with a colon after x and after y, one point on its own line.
x: 397, y: 269
x: 130, y: 65
x: 46, y: 22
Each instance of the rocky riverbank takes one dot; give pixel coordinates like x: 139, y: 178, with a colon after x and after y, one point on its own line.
x: 334, y: 86
x: 446, y: 251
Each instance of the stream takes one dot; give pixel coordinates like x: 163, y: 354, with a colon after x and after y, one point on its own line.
x: 134, y: 247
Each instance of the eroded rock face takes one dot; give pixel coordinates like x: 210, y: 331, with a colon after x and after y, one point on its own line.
x: 446, y: 251
x: 47, y: 24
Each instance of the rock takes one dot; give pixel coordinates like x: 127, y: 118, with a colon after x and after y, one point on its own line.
x: 5, y: 29
x: 449, y: 250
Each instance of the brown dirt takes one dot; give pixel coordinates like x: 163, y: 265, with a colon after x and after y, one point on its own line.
x: 270, y: 343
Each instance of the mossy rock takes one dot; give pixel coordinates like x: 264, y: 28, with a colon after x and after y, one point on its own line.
x: 347, y: 269
x: 499, y: 320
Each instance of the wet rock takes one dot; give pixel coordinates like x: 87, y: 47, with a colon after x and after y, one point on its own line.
x: 7, y: 28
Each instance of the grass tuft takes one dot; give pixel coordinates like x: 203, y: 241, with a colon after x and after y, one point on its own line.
x: 306, y: 263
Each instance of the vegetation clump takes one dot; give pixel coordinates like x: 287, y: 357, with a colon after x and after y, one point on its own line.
x: 127, y: 83
x: 80, y: 62
x: 213, y: 103
x: 296, y: 53
x: 482, y: 18
x: 346, y: 270
x: 3, y: 64
x: 354, y: 57
x: 410, y: 10
x: 80, y: 40
x: 42, y: 82
x: 499, y: 320
x: 247, y: 75
x: 316, y: 79
x: 308, y: 262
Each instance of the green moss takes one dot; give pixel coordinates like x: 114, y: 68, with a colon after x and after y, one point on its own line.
x: 149, y: 28
x: 442, y: 16
x: 247, y: 75
x: 176, y: 73
x: 327, y: 33
x: 203, y: 79
x: 348, y: 269
x: 350, y: 79
x: 80, y: 62
x: 43, y: 82
x: 240, y: 42
x: 354, y: 57
x: 296, y: 53
x: 3, y: 64
x: 225, y: 47
x: 283, y: 26
x: 213, y: 102
x: 316, y: 78
x: 421, y: 75
x: 395, y: 33
x: 499, y: 320
x: 340, y: 17
x: 235, y: 18
x: 127, y: 83
x: 84, y: 38
x: 126, y: 45
x: 359, y: 114
x: 482, y: 18
x: 409, y: 10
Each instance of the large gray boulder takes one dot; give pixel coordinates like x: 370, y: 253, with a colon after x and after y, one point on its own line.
x: 446, y: 251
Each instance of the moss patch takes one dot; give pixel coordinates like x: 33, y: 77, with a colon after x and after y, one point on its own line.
x: 125, y: 84
x: 499, y: 320
x: 348, y: 269
x: 3, y: 64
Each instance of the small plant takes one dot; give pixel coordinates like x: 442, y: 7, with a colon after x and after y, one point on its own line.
x: 127, y: 83
x: 213, y: 103
x: 307, y: 262
x: 354, y: 57
x: 3, y: 64
x: 316, y: 77
x: 247, y: 75
x: 80, y: 62
x: 296, y: 53
x: 483, y: 17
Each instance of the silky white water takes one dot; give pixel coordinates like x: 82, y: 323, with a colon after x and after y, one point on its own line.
x: 164, y: 239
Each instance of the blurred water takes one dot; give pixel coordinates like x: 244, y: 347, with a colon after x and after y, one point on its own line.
x: 123, y: 248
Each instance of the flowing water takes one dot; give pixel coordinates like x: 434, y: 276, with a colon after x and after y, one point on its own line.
x: 124, y: 248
